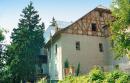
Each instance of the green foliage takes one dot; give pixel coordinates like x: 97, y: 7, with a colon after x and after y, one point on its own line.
x: 117, y: 77
x: 43, y: 80
x: 78, y: 70
x: 120, y: 35
x: 27, y: 40
x: 1, y: 35
x: 96, y: 75
x: 2, y: 57
x: 53, y: 23
x: 66, y: 64
x: 73, y: 79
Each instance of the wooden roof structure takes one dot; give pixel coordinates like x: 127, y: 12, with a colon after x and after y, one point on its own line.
x: 100, y: 16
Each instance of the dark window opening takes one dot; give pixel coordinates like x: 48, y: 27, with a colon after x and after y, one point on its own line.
x: 78, y: 45
x: 49, y: 53
x: 100, y: 47
x: 56, y: 48
x: 105, y: 30
x: 105, y: 27
x: 100, y: 14
x: 94, y: 27
x: 41, y: 59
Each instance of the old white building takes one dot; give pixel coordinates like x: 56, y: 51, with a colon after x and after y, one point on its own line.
x: 86, y: 41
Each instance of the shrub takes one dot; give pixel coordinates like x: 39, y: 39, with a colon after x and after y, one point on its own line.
x: 68, y: 79
x: 78, y: 70
x: 117, y: 77
x: 66, y: 64
x: 96, y: 75
x: 74, y: 79
x: 42, y: 80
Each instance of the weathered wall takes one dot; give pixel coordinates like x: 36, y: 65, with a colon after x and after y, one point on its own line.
x: 88, y: 55
x: 54, y: 61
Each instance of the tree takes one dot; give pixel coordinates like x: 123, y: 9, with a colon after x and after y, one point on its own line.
x: 53, y: 23
x: 2, y: 57
x: 27, y: 40
x: 120, y: 26
x: 1, y: 35
x: 1, y: 39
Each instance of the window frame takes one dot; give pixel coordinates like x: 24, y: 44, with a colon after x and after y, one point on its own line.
x: 101, y: 47
x: 55, y: 48
x: 77, y: 45
x: 94, y: 27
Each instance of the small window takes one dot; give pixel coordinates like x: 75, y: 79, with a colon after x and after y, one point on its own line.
x: 94, y: 27
x: 49, y: 53
x: 78, y: 45
x: 56, y: 48
x: 105, y: 30
x: 100, y: 47
x: 100, y: 14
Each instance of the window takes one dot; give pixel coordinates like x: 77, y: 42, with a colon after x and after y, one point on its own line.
x: 56, y: 48
x: 100, y: 14
x: 49, y: 53
x: 78, y: 45
x: 100, y: 47
x: 105, y: 30
x: 94, y: 27
x: 42, y: 58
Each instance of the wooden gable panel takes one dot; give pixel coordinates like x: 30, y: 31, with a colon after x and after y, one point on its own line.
x: 83, y: 25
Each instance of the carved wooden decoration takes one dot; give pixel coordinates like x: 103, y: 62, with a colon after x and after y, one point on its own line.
x: 83, y: 26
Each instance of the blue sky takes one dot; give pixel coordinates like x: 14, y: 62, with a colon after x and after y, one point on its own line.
x: 63, y: 10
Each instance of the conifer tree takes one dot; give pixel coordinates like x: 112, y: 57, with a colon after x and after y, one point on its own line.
x: 27, y: 40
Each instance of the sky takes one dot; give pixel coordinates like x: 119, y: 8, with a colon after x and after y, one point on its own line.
x: 63, y: 10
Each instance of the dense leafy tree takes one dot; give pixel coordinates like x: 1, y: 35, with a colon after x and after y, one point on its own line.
x: 27, y: 40
x: 120, y: 27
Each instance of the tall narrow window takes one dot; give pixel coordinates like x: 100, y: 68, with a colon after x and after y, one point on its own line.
x: 100, y: 14
x: 56, y: 48
x: 77, y: 45
x: 49, y: 53
x: 105, y: 30
x: 100, y: 47
x: 94, y: 27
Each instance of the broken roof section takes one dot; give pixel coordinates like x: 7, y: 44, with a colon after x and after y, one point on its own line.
x: 102, y: 7
x: 51, y: 30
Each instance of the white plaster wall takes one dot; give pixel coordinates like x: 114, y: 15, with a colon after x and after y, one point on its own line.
x: 55, y: 66
x: 89, y: 54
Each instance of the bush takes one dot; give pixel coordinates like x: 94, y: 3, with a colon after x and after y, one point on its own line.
x: 42, y: 80
x: 66, y: 64
x: 96, y: 75
x: 117, y: 77
x: 74, y: 79
x: 78, y: 70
